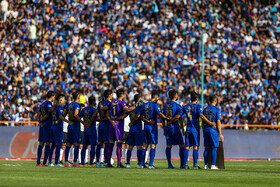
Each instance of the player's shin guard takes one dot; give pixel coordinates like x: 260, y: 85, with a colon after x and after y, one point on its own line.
x: 205, y: 154
x: 80, y: 156
x: 67, y: 150
x: 110, y: 151
x: 214, y: 155
x: 119, y: 152
x: 152, y: 156
x: 83, y: 155
x: 46, y: 154
x: 139, y: 157
x: 128, y: 156
x: 182, y: 156
x: 186, y: 156
x: 61, y: 154
x: 57, y: 153
x: 168, y: 155
x: 106, y: 153
x: 39, y: 154
x: 143, y: 156
x: 76, y: 154
x: 195, y: 157
x: 92, y: 154
x: 98, y: 153
x: 51, y: 153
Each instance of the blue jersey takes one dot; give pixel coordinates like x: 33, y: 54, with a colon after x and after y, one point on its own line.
x: 172, y: 109
x: 213, y: 114
x: 55, y: 116
x: 71, y: 110
x: 102, y: 113
x: 44, y: 111
x: 87, y: 113
x: 150, y: 110
x: 137, y: 126
x: 192, y: 112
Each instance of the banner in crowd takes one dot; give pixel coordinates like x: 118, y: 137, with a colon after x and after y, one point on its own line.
x: 22, y: 142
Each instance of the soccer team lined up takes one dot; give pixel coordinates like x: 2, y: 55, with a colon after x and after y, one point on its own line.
x: 110, y: 113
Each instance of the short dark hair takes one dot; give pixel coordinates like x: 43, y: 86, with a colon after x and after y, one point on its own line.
x: 107, y: 93
x: 194, y: 96
x: 212, y: 98
x: 120, y: 92
x: 59, y: 96
x: 91, y: 100
x: 50, y: 94
x: 136, y: 97
x: 154, y: 94
x: 172, y: 94
x: 75, y: 95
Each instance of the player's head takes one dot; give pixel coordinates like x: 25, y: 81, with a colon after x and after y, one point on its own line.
x: 60, y: 99
x: 76, y: 95
x: 51, y: 95
x: 172, y: 94
x: 120, y: 93
x: 155, y: 94
x: 194, y: 97
x: 213, y: 99
x: 92, y: 101
x: 137, y: 97
x: 108, y: 94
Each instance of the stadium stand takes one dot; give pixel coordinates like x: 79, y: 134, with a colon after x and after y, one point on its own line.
x: 142, y: 45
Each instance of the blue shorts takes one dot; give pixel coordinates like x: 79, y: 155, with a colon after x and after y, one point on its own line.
x: 45, y: 133
x: 211, y: 138
x: 192, y: 138
x: 90, y: 136
x: 73, y: 135
x: 103, y: 132
x: 56, y: 134
x: 135, y: 138
x: 150, y: 134
x: 173, y: 135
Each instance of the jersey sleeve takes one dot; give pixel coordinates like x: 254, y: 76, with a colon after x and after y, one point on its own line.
x: 199, y: 110
x: 60, y: 111
x: 157, y: 108
x: 77, y: 107
x: 138, y: 110
x: 49, y: 105
x: 219, y: 114
x: 179, y: 110
x: 123, y: 104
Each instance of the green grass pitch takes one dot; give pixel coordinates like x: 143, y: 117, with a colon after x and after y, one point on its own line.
x: 25, y: 173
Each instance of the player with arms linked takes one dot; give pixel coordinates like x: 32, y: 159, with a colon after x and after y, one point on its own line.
x: 135, y: 137
x: 149, y: 113
x: 212, y: 134
x: 193, y: 112
x: 103, y: 128
x: 45, y: 120
x: 116, y: 115
x: 172, y: 131
x: 74, y: 132
x: 88, y: 114
x: 57, y: 127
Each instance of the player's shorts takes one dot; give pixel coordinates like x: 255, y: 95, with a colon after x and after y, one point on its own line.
x: 116, y: 132
x: 45, y: 133
x: 82, y: 137
x: 150, y: 135
x: 56, y: 134
x: 103, y: 132
x: 135, y: 138
x: 90, y: 136
x: 125, y: 137
x: 211, y: 138
x: 192, y: 138
x: 173, y: 135
x: 73, y: 135
x: 64, y: 138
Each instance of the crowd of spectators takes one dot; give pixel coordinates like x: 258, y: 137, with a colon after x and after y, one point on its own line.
x: 142, y: 45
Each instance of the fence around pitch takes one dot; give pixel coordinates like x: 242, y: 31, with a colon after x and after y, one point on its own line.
x: 250, y: 126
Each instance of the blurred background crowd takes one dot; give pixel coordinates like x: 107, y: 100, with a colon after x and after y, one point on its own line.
x: 142, y: 45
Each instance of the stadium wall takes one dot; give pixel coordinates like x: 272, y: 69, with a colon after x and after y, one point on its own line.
x: 21, y: 142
